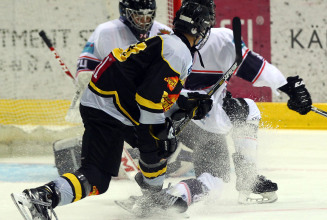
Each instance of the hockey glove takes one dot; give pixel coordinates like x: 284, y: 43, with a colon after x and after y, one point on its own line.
x: 236, y: 108
x: 165, y: 137
x: 188, y: 104
x: 300, y: 99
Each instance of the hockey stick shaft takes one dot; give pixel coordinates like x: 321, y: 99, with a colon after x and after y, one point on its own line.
x: 319, y: 111
x: 237, y: 32
x: 127, y: 161
x: 55, y: 53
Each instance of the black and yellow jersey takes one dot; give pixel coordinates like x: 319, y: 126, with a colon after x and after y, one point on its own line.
x: 138, y: 84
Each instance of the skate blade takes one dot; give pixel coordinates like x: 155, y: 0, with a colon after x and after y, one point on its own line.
x: 20, y: 201
x: 263, y: 198
x: 129, y: 205
x: 126, y: 204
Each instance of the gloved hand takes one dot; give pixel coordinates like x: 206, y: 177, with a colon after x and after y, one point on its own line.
x: 237, y: 109
x: 165, y: 137
x: 300, y: 99
x: 194, y: 99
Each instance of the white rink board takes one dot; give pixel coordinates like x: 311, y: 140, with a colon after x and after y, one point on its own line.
x: 295, y: 159
x: 28, y: 68
x: 302, y: 53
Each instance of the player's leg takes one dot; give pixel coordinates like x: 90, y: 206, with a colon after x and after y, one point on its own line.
x: 194, y: 189
x: 101, y: 153
x: 245, y: 116
x: 210, y: 151
x: 153, y: 170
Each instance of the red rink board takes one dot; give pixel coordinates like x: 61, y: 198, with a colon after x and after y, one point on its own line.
x: 256, y: 35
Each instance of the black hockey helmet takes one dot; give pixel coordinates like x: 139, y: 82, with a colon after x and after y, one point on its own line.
x: 138, y: 15
x: 194, y: 19
x: 210, y: 4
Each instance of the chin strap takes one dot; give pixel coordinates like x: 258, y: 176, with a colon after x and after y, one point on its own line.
x: 193, y: 50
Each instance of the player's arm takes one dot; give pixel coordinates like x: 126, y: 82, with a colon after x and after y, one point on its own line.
x: 254, y: 68
x: 87, y: 61
x: 160, y: 89
x: 260, y: 72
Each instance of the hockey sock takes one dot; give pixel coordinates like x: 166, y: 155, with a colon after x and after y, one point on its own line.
x: 193, y: 190
x: 245, y: 137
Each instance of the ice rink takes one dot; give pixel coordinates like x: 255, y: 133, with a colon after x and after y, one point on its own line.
x: 295, y: 159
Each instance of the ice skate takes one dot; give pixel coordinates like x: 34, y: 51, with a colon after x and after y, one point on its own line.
x: 153, y: 201
x: 261, y: 191
x: 158, y: 203
x: 39, y: 202
x: 253, y: 188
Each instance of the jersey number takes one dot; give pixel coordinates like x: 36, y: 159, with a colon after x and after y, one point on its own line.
x: 122, y: 55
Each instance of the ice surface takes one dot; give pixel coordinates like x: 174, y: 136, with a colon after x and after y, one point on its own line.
x: 295, y: 159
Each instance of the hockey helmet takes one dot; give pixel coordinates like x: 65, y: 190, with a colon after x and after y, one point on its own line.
x: 210, y: 4
x: 138, y: 15
x: 194, y: 19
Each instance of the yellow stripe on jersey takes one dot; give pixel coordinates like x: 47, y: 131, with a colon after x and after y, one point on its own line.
x: 156, y: 174
x: 147, y: 103
x: 122, y: 55
x: 77, y: 185
x: 162, y: 42
x: 117, y: 100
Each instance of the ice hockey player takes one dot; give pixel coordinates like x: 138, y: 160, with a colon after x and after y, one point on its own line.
x: 211, y: 157
x: 122, y: 32
x: 242, y: 116
x: 128, y: 89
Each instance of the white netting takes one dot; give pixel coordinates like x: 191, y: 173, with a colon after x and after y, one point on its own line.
x: 35, y: 93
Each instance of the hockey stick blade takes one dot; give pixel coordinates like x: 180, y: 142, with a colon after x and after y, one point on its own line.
x: 237, y: 32
x: 319, y: 111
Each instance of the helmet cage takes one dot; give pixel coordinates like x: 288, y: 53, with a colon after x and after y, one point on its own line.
x: 141, y: 19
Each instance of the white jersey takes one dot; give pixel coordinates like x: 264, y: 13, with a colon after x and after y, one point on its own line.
x: 218, y: 55
x: 108, y: 36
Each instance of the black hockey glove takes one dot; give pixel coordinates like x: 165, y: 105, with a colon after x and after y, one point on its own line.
x: 300, y: 99
x: 237, y: 109
x: 187, y: 104
x: 165, y: 137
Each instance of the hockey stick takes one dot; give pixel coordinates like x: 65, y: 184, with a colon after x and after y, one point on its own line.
x: 64, y: 68
x: 319, y: 111
x: 237, y: 32
x: 55, y: 53
x: 127, y: 162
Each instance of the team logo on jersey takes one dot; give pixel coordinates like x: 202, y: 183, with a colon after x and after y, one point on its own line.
x: 168, y: 101
x: 89, y: 48
x: 94, y: 192
x: 172, y: 82
x: 163, y: 31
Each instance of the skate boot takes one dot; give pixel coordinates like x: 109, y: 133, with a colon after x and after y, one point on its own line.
x: 156, y: 200
x: 40, y: 202
x: 253, y: 188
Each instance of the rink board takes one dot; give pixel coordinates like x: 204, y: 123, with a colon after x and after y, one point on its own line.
x: 52, y: 112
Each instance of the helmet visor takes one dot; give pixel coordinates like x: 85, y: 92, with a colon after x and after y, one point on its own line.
x: 141, y: 19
